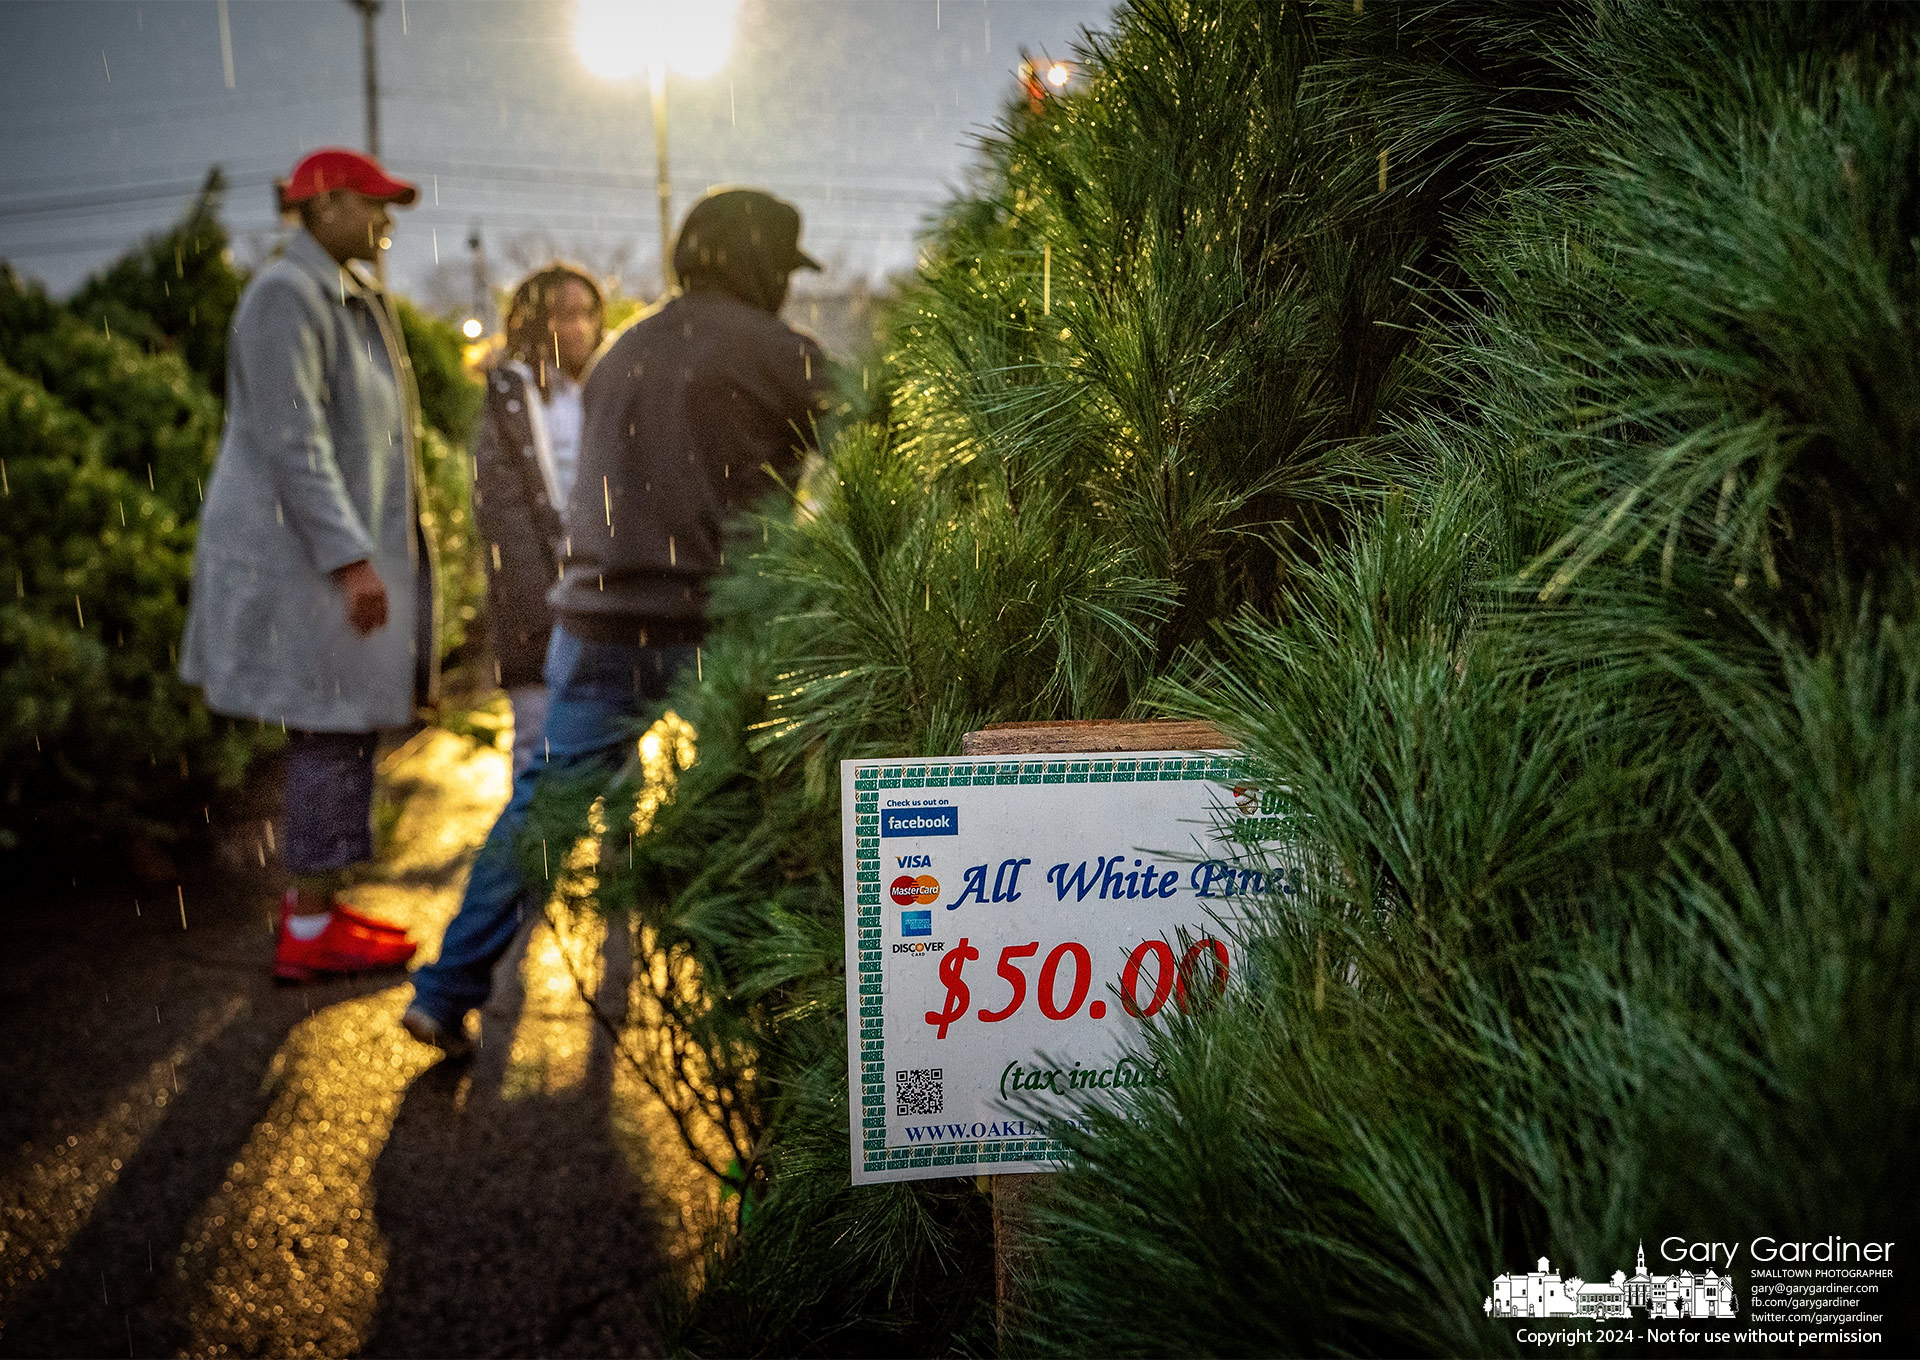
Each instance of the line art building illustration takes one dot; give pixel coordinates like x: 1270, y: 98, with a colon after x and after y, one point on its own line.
x: 1542, y: 1293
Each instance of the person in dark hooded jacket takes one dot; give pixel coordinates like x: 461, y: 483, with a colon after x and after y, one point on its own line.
x: 683, y: 412
x: 686, y: 414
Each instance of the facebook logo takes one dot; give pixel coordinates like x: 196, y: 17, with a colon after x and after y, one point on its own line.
x: 930, y: 821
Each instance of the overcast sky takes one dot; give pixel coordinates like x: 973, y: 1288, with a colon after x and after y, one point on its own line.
x: 861, y: 111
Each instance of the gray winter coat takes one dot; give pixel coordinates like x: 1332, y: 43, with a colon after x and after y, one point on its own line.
x: 318, y: 467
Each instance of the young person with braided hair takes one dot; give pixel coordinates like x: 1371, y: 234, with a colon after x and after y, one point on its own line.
x: 525, y: 454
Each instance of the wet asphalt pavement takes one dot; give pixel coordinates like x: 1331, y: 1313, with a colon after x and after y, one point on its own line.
x: 193, y: 1161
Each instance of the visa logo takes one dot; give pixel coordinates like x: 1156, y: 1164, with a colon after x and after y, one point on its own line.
x: 913, y: 861
x: 916, y: 923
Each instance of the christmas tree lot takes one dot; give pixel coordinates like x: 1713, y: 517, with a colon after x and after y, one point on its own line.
x: 110, y: 416
x: 1499, y: 419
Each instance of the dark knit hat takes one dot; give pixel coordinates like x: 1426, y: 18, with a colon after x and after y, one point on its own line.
x: 741, y: 241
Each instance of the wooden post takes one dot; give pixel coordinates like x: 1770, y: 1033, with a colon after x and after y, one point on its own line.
x: 1029, y: 738
x: 1064, y: 738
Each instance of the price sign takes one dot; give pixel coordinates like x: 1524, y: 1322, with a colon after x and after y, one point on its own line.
x: 1010, y: 924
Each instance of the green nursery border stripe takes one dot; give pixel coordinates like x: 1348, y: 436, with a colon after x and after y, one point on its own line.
x: 867, y: 783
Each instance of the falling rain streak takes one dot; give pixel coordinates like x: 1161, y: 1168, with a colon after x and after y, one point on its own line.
x: 226, y: 47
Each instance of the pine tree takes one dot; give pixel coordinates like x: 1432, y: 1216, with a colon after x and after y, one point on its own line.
x: 1592, y: 732
x: 1496, y: 417
x: 177, y: 292
x: 450, y: 400
x: 99, y: 741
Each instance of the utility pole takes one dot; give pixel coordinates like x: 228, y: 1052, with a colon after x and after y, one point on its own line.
x: 369, y: 10
x: 663, y: 180
x: 482, y: 293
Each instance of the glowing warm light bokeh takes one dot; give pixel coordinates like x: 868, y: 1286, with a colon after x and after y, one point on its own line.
x: 472, y: 328
x: 1057, y: 75
x: 619, y: 39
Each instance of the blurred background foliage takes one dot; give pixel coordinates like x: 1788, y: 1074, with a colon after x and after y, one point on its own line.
x: 1497, y: 417
x: 110, y: 416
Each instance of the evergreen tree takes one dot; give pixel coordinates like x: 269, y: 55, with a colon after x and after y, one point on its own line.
x: 1497, y: 417
x: 1592, y: 728
x: 99, y: 741
x: 157, y: 422
x: 450, y: 401
x: 177, y: 292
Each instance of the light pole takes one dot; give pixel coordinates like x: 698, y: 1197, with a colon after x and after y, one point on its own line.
x: 619, y: 39
x: 662, y: 174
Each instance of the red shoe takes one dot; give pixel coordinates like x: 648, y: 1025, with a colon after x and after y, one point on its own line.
x: 343, y: 947
x: 352, y: 914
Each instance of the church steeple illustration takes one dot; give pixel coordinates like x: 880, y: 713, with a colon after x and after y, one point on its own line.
x: 1640, y: 1261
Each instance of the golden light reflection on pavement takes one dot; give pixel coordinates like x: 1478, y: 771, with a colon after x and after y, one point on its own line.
x: 555, y: 1029
x: 48, y: 1199
x: 288, y: 1257
x: 449, y: 789
x: 689, y: 1199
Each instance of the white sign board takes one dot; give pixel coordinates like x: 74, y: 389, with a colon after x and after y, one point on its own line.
x: 1010, y: 919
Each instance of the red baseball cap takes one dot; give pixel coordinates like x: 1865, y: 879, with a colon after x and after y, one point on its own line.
x: 335, y: 167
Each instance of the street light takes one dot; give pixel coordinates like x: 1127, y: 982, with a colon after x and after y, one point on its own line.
x: 1042, y: 77
x: 619, y: 39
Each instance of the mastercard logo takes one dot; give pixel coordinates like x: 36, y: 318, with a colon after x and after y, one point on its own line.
x: 907, y: 889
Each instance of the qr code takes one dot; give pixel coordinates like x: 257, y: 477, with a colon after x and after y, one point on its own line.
x: 919, y: 1091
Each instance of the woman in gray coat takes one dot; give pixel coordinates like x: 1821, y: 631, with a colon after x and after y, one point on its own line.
x: 312, y: 599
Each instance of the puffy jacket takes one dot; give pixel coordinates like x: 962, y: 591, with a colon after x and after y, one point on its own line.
x: 520, y: 530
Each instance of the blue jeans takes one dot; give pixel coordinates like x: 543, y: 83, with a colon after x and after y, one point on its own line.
x: 597, y: 693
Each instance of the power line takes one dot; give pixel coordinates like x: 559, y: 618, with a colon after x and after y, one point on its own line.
x: 172, y: 115
x: 67, y: 245
x: 246, y: 175
x: 586, y: 177
x: 854, y: 191
x: 521, y: 103
x: 114, y: 199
